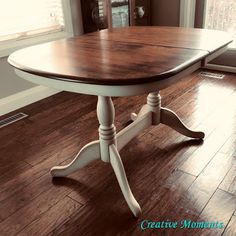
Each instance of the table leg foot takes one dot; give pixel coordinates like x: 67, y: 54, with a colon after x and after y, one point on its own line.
x: 118, y: 168
x: 133, y: 116
x: 88, y: 153
x: 142, y: 111
x: 171, y: 119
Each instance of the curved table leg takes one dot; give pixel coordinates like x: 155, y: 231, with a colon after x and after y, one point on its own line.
x: 169, y: 118
x: 88, y: 153
x: 118, y: 168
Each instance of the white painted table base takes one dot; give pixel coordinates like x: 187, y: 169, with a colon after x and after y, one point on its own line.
x: 109, y: 144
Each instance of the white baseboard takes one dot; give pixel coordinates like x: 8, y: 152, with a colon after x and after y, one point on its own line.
x: 221, y: 68
x: 24, y: 98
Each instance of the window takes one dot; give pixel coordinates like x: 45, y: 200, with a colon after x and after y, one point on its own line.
x: 221, y: 15
x: 24, y: 22
x: 120, y: 13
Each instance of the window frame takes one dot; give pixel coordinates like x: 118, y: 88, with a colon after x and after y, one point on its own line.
x: 187, y: 13
x: 9, y: 46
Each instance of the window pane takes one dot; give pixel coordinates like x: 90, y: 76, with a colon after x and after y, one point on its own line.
x: 120, y: 13
x: 221, y: 15
x: 23, y: 18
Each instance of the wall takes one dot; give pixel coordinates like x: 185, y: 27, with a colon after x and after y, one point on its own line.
x: 165, y: 12
x: 226, y: 59
x: 10, y: 84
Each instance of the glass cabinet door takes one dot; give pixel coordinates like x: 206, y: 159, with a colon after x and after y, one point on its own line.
x: 102, y: 14
x: 120, y: 13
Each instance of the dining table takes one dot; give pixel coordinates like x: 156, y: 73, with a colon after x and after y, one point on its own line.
x: 121, y: 62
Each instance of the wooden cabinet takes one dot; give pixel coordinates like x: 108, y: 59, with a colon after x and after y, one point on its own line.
x: 142, y: 12
x: 101, y: 14
x: 93, y: 19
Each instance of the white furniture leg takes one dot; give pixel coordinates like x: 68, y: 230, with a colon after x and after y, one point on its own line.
x: 164, y: 116
x: 119, y: 170
x: 107, y: 129
x: 109, y: 152
x: 153, y: 105
x: 109, y: 144
x: 88, y: 153
x: 170, y: 119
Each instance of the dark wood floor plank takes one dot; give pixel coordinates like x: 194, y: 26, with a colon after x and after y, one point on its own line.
x: 195, y: 164
x: 202, y: 156
x: 12, y: 186
x: 154, y: 163
x: 229, y: 182
x: 11, y: 154
x: 24, y: 196
x: 51, y: 219
x: 220, y: 208
x: 14, y: 132
x: 200, y: 192
x: 173, y: 185
x: 205, y: 89
x: 9, y: 172
x: 33, y: 210
x: 161, y: 200
x: 10, y: 134
x: 229, y: 146
x: 231, y: 227
x: 176, y: 91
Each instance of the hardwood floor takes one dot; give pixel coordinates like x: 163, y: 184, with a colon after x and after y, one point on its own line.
x: 172, y: 177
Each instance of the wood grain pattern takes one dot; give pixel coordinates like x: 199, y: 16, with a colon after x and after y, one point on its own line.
x: 31, y: 203
x: 229, y: 182
x: 220, y: 208
x: 32, y: 211
x: 205, y: 185
x: 120, y: 56
x: 52, y: 218
x: 198, y: 39
x: 104, y: 62
x: 231, y: 229
x: 229, y: 146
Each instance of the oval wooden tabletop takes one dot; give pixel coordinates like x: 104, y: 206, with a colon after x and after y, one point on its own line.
x: 122, y: 56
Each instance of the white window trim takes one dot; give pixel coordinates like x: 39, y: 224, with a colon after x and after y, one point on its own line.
x: 187, y: 13
x: 220, y: 68
x: 7, y: 47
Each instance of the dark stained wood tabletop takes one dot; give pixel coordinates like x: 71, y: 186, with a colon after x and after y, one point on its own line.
x: 131, y: 55
x: 203, y: 39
